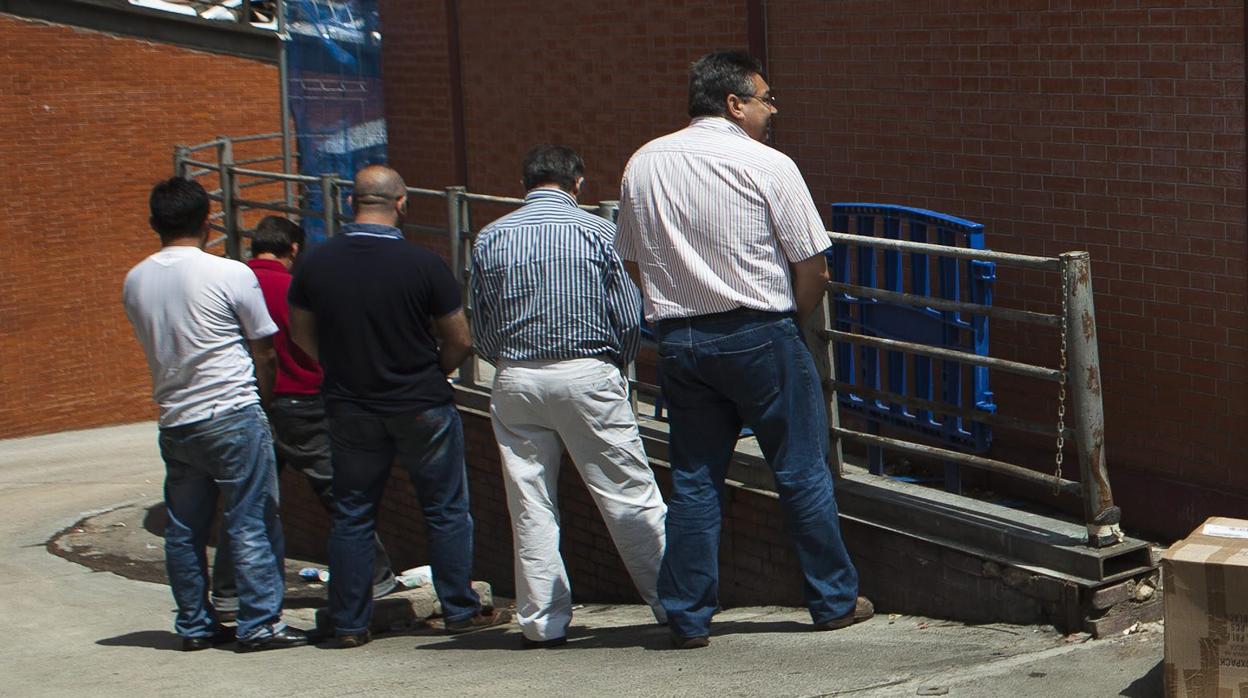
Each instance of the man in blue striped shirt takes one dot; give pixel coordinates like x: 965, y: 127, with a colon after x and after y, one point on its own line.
x: 558, y: 316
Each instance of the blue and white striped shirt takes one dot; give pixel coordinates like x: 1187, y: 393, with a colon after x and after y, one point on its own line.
x: 548, y: 284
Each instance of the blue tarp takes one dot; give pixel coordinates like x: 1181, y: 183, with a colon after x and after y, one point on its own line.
x: 335, y: 91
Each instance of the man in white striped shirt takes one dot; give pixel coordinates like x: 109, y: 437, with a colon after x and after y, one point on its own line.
x: 729, y: 247
x: 557, y: 314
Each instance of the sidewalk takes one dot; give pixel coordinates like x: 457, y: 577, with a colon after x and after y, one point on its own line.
x: 71, y: 630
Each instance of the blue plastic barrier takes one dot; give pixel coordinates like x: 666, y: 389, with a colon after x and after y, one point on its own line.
x: 953, y: 279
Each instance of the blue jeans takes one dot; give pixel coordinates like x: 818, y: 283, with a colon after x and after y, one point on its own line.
x: 430, y: 445
x: 717, y: 373
x: 230, y: 454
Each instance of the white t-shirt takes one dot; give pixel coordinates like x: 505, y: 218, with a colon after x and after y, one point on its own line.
x: 193, y: 313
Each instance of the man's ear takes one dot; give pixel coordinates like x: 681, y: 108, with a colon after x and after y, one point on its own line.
x: 736, y: 107
x: 402, y: 205
x: 294, y: 250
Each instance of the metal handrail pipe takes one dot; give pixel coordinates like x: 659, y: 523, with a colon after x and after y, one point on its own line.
x: 282, y: 176
x: 946, y: 304
x: 1022, y: 369
x: 258, y: 183
x: 1021, y: 260
x: 252, y: 161
x: 211, y: 166
x: 980, y: 462
x: 256, y: 137
x: 278, y: 207
x: 991, y: 418
x: 206, y: 144
x: 193, y: 173
x: 426, y: 192
x: 486, y: 198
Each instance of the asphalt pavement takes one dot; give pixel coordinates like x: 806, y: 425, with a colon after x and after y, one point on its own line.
x: 72, y: 630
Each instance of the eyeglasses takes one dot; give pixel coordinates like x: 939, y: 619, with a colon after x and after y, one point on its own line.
x: 769, y: 100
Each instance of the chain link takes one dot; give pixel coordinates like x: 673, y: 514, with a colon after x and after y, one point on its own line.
x: 1061, y: 382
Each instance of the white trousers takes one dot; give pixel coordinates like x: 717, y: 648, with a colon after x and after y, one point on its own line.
x: 538, y: 408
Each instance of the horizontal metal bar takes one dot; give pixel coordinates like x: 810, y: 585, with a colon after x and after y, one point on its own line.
x: 252, y: 161
x: 279, y: 207
x: 426, y: 192
x: 211, y: 166
x: 258, y: 183
x: 991, y: 418
x: 1021, y: 260
x: 207, y: 144
x: 280, y: 176
x: 946, y: 304
x: 1022, y: 369
x: 485, y: 198
x: 989, y: 464
x: 256, y: 137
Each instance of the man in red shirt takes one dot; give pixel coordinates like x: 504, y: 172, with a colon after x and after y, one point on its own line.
x: 297, y: 414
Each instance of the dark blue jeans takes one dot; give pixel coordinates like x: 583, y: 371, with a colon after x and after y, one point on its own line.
x: 430, y: 446
x: 717, y: 373
x: 230, y: 454
x: 301, y: 439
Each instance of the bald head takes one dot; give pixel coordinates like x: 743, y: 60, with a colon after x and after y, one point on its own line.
x: 378, y: 192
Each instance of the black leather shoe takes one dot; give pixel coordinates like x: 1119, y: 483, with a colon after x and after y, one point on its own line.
x: 682, y: 642
x: 221, y: 636
x: 543, y: 644
x: 350, y: 640
x: 286, y: 637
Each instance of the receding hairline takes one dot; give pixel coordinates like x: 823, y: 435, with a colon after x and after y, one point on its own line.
x: 378, y: 181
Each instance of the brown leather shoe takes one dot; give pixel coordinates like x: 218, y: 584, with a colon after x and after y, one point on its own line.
x: 486, y: 618
x: 863, y: 609
x: 682, y: 642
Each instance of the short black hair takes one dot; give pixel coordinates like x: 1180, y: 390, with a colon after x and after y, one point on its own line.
x: 557, y: 164
x: 179, y: 207
x: 715, y: 76
x: 277, y: 236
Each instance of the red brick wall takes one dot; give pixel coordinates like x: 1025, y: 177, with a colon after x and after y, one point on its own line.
x: 89, y: 124
x: 1108, y: 126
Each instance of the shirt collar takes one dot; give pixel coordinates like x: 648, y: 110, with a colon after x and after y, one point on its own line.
x: 718, y: 123
x: 548, y: 194
x: 372, y: 230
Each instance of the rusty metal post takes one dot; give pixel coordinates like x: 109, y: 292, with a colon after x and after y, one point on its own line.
x: 329, y: 203
x: 814, y: 329
x: 455, y: 220
x: 1084, y: 380
x: 229, y: 213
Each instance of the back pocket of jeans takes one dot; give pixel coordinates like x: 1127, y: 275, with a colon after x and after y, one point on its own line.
x: 749, y: 376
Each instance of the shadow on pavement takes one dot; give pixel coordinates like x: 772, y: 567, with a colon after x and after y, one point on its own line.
x: 1147, y: 686
x: 149, y: 639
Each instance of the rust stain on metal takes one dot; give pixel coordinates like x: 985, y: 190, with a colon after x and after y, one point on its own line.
x: 1088, y: 325
x: 1094, y: 381
x: 1083, y: 274
x: 1096, y: 463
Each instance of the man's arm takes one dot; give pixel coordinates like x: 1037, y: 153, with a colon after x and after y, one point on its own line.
x: 265, y: 358
x: 624, y: 308
x: 303, y: 330
x: 810, y: 283
x: 455, y: 341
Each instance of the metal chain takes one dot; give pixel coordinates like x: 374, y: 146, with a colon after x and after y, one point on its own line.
x: 1061, y: 382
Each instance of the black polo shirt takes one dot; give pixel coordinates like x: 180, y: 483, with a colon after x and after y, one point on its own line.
x: 375, y: 296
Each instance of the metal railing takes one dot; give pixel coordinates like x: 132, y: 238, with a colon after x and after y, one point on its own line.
x: 1078, y: 369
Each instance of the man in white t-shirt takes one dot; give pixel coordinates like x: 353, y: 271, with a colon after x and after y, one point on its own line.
x: 201, y: 319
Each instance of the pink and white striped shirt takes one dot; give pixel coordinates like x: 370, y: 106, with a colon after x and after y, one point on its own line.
x: 713, y: 218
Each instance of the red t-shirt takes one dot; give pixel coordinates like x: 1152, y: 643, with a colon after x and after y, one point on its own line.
x: 297, y: 373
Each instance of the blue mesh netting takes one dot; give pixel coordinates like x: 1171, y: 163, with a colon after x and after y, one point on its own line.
x: 335, y: 91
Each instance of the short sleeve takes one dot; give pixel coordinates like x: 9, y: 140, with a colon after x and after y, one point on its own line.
x: 795, y: 220
x: 445, y: 296
x: 626, y: 225
x: 249, y: 306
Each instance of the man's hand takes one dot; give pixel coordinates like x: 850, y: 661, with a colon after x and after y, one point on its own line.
x: 265, y: 358
x: 455, y: 341
x: 810, y: 283
x: 303, y: 330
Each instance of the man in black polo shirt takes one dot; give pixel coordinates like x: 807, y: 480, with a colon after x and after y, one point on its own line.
x: 385, y: 320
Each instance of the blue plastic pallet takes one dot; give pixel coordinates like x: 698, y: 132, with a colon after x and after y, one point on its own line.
x: 953, y: 279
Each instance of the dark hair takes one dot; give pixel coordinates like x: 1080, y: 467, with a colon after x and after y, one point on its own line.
x: 715, y: 76
x: 277, y: 236
x: 179, y: 208
x: 555, y: 164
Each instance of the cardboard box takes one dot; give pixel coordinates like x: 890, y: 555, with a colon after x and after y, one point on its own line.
x: 1205, y: 577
